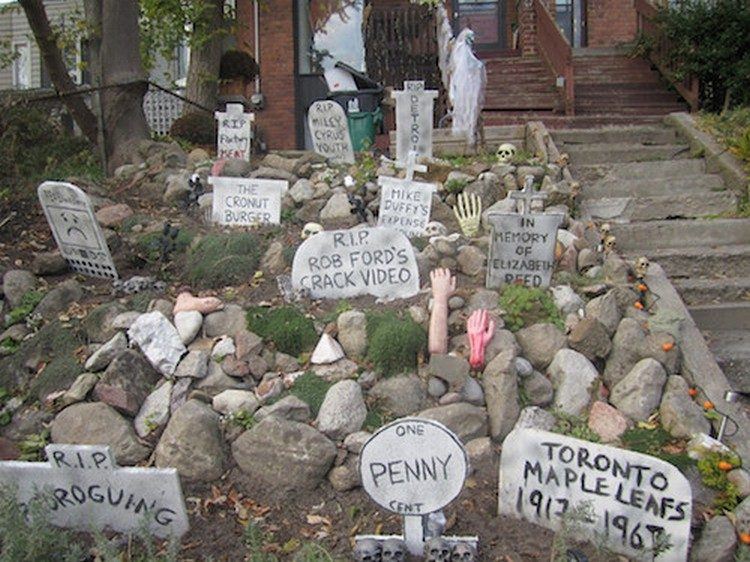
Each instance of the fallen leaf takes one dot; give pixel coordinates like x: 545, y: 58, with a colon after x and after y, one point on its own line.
x: 317, y: 520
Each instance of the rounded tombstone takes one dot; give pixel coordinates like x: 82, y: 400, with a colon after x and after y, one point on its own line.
x: 413, y: 466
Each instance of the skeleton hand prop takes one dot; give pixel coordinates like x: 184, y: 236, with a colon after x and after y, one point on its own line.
x: 480, y: 328
x: 468, y: 211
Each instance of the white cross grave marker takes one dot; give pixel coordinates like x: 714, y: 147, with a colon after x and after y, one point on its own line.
x: 84, y: 489
x: 414, y: 109
x: 414, y: 467
x: 77, y: 232
x: 405, y: 204
x: 527, y: 195
x: 235, y: 132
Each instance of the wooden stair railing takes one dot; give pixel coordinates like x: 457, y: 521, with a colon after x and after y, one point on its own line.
x: 558, y: 53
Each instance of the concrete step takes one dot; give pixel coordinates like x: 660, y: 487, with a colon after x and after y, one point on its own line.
x: 654, y: 235
x: 704, y: 291
x: 557, y: 121
x: 659, y: 207
x: 643, y: 135
x: 716, y: 262
x: 682, y: 185
x: 639, y: 170
x: 725, y: 316
x: 584, y: 154
x: 726, y: 327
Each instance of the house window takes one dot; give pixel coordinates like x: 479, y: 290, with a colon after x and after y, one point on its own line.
x: 22, y: 65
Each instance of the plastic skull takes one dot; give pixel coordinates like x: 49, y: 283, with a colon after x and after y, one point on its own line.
x: 394, y: 550
x: 506, y: 152
x: 464, y: 552
x: 609, y: 243
x: 641, y: 267
x: 437, y: 549
x: 310, y: 229
x: 435, y: 228
x: 367, y: 550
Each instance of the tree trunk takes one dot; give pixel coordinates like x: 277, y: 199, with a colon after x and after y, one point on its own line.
x: 203, y: 70
x: 45, y: 38
x: 123, y: 80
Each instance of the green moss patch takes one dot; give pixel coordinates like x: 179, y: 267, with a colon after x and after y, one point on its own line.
x: 394, y: 344
x: 150, y: 245
x: 26, y: 307
x: 311, y: 389
x: 525, y: 306
x: 290, y: 330
x: 219, y: 260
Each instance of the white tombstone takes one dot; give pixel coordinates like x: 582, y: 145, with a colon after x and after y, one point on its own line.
x: 340, y: 264
x: 235, y: 133
x: 405, y: 205
x: 246, y: 201
x: 329, y: 130
x: 630, y: 501
x: 84, y: 489
x: 414, y: 109
x: 74, y: 226
x: 414, y: 467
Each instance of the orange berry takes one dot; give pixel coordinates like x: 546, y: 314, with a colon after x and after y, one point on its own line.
x: 724, y: 465
x: 638, y: 305
x: 642, y: 287
x: 693, y: 392
x: 708, y: 405
x: 667, y: 346
x: 745, y: 538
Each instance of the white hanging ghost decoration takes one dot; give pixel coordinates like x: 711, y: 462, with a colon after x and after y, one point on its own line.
x: 468, y: 79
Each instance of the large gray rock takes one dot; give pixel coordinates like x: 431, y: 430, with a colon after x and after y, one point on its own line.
x: 154, y: 413
x: 99, y: 323
x: 226, y: 322
x: 575, y: 381
x: 717, y: 542
x: 540, y: 342
x: 401, y: 395
x: 501, y: 394
x: 343, y: 410
x: 566, y: 299
x: 336, y: 208
x: 471, y: 260
x: 233, y: 401
x: 466, y: 421
x: 352, y: 333
x: 103, y: 356
x: 59, y: 299
x: 639, y: 393
x: 501, y: 340
x: 159, y: 341
x: 538, y: 389
x: 79, y: 389
x: 590, y: 338
x: 192, y: 443
x: 16, y: 283
x: 679, y: 414
x: 95, y: 423
x: 284, y: 454
x: 604, y: 309
x: 188, y: 323
x: 627, y: 346
x: 289, y: 408
x: 534, y: 417
x: 127, y: 382
x: 193, y: 365
x: 450, y: 368
x: 217, y: 381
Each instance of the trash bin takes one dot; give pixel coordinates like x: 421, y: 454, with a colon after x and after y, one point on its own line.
x: 362, y: 127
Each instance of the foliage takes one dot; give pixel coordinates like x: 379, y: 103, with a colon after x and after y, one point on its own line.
x: 311, y: 389
x: 732, y: 128
x: 290, y: 330
x: 367, y: 168
x: 35, y: 147
x: 525, y: 306
x: 26, y: 306
x: 376, y: 418
x: 572, y: 525
x: 32, y: 447
x: 575, y: 427
x: 243, y: 418
x: 257, y: 541
x: 236, y: 64
x: 28, y: 536
x: 715, y: 477
x: 218, y: 260
x: 150, y: 245
x: 195, y: 127
x: 455, y: 185
x: 394, y: 344
x: 655, y: 442
x: 710, y: 41
x: 522, y: 156
x: 9, y: 346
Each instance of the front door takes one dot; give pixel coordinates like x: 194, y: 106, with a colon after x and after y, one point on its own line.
x: 571, y: 17
x: 488, y: 20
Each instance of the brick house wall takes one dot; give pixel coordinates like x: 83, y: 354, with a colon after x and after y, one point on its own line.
x: 611, y: 22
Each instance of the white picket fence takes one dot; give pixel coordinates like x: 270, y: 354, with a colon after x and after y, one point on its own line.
x: 161, y: 109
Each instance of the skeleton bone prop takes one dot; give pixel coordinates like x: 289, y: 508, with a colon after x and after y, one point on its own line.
x: 505, y: 153
x: 310, y: 229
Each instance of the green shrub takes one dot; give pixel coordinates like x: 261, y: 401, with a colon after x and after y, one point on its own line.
x: 394, y: 344
x: 196, y: 127
x: 150, y: 245
x: 26, y: 306
x: 525, y: 306
x: 654, y: 442
x: 218, y: 260
x: 311, y: 389
x: 290, y: 330
x: 716, y: 478
x: 575, y: 427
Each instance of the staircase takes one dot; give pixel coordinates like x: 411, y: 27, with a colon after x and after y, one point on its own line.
x: 663, y: 204
x: 610, y: 89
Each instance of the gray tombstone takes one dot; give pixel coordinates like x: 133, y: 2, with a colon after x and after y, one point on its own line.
x: 414, y: 110
x: 85, y: 489
x: 340, y: 264
x: 329, y: 130
x: 246, y: 201
x: 522, y: 249
x: 74, y: 226
x: 630, y: 501
x: 405, y: 205
x: 235, y: 133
